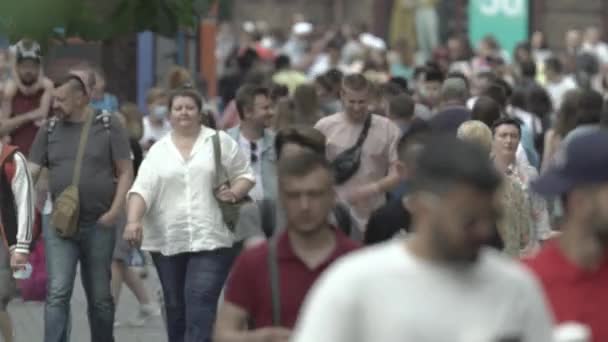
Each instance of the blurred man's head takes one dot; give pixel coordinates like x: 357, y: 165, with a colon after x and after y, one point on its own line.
x: 573, y: 39
x: 295, y: 139
x: 433, y: 80
x: 592, y: 35
x: 28, y: 60
x: 356, y: 93
x: 306, y: 189
x: 579, y: 176
x: 486, y: 110
x: 454, y: 200
x: 70, y: 98
x: 253, y: 106
x: 454, y: 91
x: 553, y: 68
x: 476, y: 132
x: 401, y: 109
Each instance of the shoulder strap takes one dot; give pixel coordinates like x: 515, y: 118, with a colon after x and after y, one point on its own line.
x: 343, y: 218
x: 84, y: 136
x: 220, y: 171
x: 273, y: 268
x: 268, y: 216
x: 365, y: 131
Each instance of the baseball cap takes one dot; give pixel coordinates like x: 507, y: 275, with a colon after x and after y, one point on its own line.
x: 581, y: 162
x: 27, y: 49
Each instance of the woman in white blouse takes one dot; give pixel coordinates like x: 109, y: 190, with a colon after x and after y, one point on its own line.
x: 173, y: 208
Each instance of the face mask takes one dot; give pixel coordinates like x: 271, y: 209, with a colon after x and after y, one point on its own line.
x: 159, y: 112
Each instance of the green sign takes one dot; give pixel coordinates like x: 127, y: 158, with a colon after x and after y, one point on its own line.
x: 506, y: 20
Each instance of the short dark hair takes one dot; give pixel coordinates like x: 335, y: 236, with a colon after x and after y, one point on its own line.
x: 278, y: 91
x: 590, y: 108
x: 528, y: 69
x: 186, y: 92
x: 486, y: 110
x: 506, y: 120
x: 445, y: 161
x: 75, y: 83
x: 356, y: 82
x: 496, y: 93
x: 245, y: 97
x: 302, y: 164
x: 433, y: 74
x: 417, y: 133
x: 400, y: 82
x: 390, y: 89
x: 504, y: 85
x: 302, y: 135
x: 401, y: 106
x: 282, y: 62
x: 554, y: 64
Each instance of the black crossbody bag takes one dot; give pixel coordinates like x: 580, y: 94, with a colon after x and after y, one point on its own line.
x: 346, y: 164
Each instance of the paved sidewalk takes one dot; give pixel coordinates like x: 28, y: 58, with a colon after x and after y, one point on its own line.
x: 29, y: 324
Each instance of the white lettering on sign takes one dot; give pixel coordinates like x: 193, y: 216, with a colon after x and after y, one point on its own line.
x: 509, y: 8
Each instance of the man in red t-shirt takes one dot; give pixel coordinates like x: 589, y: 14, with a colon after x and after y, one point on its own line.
x: 27, y: 98
x: 574, y: 268
x: 301, y: 253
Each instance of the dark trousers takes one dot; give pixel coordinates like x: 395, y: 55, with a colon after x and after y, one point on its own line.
x: 192, y: 283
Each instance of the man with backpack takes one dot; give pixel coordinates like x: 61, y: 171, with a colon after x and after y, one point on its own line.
x: 87, y: 154
x: 16, y: 226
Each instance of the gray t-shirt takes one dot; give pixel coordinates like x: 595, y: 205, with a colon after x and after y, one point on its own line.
x: 57, y: 150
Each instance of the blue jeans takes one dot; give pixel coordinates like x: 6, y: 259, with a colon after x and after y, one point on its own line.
x: 192, y: 283
x: 93, y: 247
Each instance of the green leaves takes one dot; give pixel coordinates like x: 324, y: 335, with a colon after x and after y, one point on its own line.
x: 94, y: 20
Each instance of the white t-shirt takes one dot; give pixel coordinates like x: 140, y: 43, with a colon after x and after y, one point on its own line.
x: 153, y: 133
x: 559, y: 89
x: 386, y: 294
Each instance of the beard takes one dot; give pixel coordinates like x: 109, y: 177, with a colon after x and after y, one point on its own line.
x: 28, y: 81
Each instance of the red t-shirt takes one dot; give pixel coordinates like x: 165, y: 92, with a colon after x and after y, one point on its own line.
x: 23, y: 137
x: 575, y: 294
x: 248, y: 285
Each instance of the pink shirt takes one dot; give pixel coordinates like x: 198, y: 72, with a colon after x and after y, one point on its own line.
x: 379, y: 152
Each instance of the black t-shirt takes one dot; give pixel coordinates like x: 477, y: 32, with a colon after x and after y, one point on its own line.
x: 387, y: 221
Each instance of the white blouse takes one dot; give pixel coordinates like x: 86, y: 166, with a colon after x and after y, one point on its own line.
x: 182, y: 213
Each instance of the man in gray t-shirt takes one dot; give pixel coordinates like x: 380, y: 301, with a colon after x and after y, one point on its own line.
x: 106, y: 174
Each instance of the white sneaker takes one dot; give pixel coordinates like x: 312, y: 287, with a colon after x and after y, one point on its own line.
x: 145, y: 313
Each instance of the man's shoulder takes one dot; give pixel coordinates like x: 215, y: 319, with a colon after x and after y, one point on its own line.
x: 328, y: 121
x: 367, y: 263
x: 504, y: 269
x: 255, y: 256
x: 10, y: 88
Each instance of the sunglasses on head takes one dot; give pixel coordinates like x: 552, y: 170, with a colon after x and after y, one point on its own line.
x: 254, y: 148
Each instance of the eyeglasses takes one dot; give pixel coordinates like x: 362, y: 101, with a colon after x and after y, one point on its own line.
x: 253, y: 147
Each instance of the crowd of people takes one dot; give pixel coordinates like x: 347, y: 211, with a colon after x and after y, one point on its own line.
x: 337, y: 192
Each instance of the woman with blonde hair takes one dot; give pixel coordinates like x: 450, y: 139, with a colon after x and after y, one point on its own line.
x: 174, y: 212
x: 516, y: 223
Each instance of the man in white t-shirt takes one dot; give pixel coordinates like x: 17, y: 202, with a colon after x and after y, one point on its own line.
x: 558, y: 84
x: 440, y: 284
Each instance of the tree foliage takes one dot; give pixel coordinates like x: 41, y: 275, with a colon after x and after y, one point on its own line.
x: 94, y: 20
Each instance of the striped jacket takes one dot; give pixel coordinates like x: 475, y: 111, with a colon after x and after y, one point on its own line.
x: 16, y: 201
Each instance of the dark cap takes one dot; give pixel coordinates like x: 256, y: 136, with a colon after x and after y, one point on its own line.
x: 581, y: 162
x: 27, y: 49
